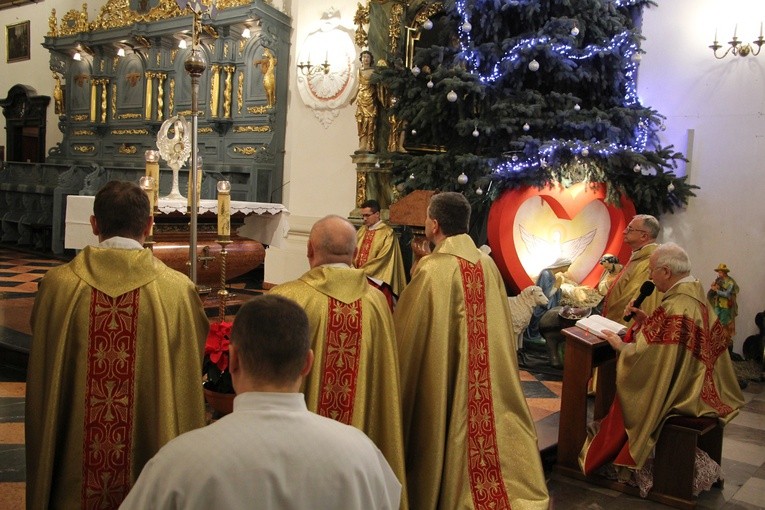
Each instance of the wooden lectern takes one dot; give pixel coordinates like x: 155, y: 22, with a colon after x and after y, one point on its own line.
x: 411, y: 211
x: 584, y: 352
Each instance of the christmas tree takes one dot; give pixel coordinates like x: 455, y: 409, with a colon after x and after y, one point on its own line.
x: 503, y: 94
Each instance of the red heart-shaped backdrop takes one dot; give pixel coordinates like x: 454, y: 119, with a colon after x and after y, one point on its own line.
x: 566, y: 203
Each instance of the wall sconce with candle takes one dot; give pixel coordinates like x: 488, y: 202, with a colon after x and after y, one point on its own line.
x: 737, y: 47
x: 306, y: 69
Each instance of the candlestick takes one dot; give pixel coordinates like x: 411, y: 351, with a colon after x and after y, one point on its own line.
x: 224, y: 209
x: 152, y: 170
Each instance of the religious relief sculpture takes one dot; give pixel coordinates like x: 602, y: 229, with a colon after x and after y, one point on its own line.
x: 268, y: 68
x: 366, y: 104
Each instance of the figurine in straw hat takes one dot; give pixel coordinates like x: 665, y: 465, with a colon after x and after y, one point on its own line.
x: 722, y: 297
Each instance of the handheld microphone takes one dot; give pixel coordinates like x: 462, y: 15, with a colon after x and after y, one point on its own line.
x: 645, y: 290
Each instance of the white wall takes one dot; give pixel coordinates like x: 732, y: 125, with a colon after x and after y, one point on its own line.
x: 721, y: 101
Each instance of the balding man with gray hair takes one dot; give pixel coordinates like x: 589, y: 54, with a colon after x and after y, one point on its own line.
x: 673, y: 362
x: 355, y: 378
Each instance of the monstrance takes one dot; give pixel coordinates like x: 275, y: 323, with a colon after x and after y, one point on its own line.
x: 175, y: 149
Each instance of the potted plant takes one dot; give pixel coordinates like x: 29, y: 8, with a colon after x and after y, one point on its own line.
x: 218, y: 389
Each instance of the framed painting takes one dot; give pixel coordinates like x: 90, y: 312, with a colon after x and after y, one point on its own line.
x: 17, y: 41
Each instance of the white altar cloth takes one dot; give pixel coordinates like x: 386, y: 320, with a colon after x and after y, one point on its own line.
x: 264, y: 222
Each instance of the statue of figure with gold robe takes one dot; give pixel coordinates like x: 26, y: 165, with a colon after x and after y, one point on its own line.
x: 268, y: 68
x: 58, y: 96
x: 366, y: 104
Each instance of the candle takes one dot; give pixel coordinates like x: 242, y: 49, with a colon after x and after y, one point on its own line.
x: 715, y: 35
x: 152, y: 170
x: 735, y: 30
x: 760, y: 29
x: 147, y: 184
x: 199, y: 183
x: 224, y: 209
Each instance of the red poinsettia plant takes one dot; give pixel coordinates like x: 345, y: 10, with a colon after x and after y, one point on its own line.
x: 215, y: 366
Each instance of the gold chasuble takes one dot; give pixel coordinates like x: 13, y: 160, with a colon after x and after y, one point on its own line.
x: 470, y: 440
x: 676, y: 364
x: 379, y: 255
x: 626, y: 286
x: 114, y: 374
x: 355, y: 377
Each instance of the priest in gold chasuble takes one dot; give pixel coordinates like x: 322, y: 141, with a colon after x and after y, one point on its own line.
x: 355, y: 378
x: 640, y: 235
x: 115, y: 364
x: 673, y: 362
x: 378, y: 252
x: 469, y: 437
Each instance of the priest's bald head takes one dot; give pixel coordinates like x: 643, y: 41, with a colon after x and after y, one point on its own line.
x: 332, y: 240
x: 448, y: 215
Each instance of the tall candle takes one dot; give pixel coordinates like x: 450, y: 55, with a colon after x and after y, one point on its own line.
x: 199, y: 182
x: 224, y: 209
x: 152, y: 170
x: 147, y: 184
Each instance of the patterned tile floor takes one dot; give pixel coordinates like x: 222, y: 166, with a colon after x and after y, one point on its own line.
x: 743, y: 449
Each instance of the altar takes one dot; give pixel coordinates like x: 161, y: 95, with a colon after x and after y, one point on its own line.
x: 254, y: 226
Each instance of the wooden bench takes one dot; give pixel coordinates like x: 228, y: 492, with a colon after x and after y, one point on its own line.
x: 673, y: 467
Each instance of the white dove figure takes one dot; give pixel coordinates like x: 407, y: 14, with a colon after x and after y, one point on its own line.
x: 556, y: 249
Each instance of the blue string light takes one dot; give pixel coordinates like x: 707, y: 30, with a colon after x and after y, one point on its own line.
x: 622, y: 44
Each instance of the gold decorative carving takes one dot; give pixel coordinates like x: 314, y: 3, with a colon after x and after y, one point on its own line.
x: 160, y: 95
x: 394, y: 28
x: 129, y: 132
x: 114, y: 100
x: 127, y: 149
x: 361, y: 187
x: 173, y: 53
x: 258, y: 109
x: 93, y: 96
x: 52, y: 24
x: 129, y: 116
x: 204, y: 130
x: 239, y: 92
x: 84, y: 148
x: 83, y: 132
x: 252, y: 129
x: 225, y: 50
x: 147, y: 113
x: 247, y: 150
x: 214, y: 88
x: 80, y: 118
x: 361, y: 18
x: 104, y: 90
x: 158, y: 59
x: 171, y: 101
x: 101, y: 65
x: 227, y: 89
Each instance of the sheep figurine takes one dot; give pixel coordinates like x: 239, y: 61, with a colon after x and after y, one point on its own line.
x: 521, y: 307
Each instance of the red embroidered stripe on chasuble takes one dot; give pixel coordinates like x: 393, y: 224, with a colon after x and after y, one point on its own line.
x: 107, y: 440
x: 705, y: 344
x: 486, y: 482
x: 366, y: 245
x: 340, y: 366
